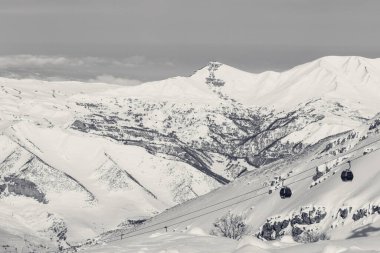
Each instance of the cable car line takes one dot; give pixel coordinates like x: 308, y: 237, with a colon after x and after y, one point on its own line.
x: 255, y: 190
x: 351, y: 151
x: 238, y: 196
x: 200, y: 215
x: 117, y: 238
x: 212, y: 211
x: 125, y: 235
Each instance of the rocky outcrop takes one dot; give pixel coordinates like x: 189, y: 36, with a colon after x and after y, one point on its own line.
x: 272, y: 231
x: 131, y: 223
x: 298, y: 224
x: 376, y: 209
x: 58, y: 231
x: 20, y: 186
x: 343, y: 212
x: 2, y: 188
x: 365, y: 212
x: 360, y: 214
x: 195, y: 133
x: 374, y: 125
x: 211, y: 79
x: 274, y: 228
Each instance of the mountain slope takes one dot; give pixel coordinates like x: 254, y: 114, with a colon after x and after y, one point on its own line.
x: 323, y: 204
x: 87, y: 158
x: 111, y: 178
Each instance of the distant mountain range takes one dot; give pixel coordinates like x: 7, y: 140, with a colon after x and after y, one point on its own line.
x: 78, y: 159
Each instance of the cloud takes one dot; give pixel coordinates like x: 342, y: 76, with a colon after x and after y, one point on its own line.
x: 12, y: 61
x: 26, y: 60
x: 88, y: 69
x: 114, y: 80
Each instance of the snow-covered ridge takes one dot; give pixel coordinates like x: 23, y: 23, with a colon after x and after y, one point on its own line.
x: 351, y: 79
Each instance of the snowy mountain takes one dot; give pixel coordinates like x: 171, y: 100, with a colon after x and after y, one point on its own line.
x: 353, y: 80
x: 71, y: 181
x: 80, y: 159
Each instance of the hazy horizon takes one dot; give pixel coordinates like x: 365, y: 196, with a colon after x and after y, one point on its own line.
x: 129, y: 42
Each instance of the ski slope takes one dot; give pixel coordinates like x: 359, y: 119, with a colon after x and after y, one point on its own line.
x: 190, y: 243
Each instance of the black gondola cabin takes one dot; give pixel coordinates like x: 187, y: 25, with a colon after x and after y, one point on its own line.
x: 347, y: 176
x: 285, y: 192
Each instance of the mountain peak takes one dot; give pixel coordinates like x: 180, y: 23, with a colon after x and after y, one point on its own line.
x: 217, y: 70
x: 214, y: 63
x: 210, y: 65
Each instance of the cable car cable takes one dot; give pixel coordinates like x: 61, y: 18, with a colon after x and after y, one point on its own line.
x: 351, y: 151
x: 238, y: 196
x: 249, y: 192
x: 264, y: 193
x: 304, y: 178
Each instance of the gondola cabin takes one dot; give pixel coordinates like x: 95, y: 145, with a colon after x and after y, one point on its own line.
x: 285, y: 192
x: 347, y: 176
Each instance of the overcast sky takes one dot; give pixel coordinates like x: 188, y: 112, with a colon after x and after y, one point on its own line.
x: 126, y: 42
